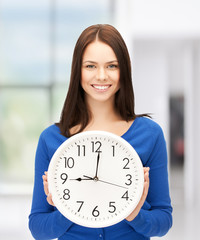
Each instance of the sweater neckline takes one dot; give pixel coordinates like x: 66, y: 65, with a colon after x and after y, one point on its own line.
x: 124, y: 134
x: 130, y: 128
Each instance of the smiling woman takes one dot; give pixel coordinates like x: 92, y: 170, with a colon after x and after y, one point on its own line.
x: 100, y: 73
x: 100, y: 57
x: 100, y: 97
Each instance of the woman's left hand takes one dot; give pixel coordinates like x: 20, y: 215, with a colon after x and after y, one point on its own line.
x: 144, y: 195
x: 46, y: 189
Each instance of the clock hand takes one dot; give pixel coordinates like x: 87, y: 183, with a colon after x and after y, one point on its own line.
x: 90, y: 178
x: 81, y: 179
x: 98, y: 157
x: 112, y: 184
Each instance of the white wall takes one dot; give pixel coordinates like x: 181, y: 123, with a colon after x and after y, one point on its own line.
x: 192, y: 124
x: 163, y: 18
x: 158, y: 32
x: 150, y: 75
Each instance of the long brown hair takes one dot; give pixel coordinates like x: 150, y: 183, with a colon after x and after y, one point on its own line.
x: 75, y: 110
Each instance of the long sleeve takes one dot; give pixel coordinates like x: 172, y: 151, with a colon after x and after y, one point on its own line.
x: 155, y: 218
x: 45, y: 222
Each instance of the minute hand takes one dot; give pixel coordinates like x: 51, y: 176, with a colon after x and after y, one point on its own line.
x: 98, y: 157
x: 105, y: 182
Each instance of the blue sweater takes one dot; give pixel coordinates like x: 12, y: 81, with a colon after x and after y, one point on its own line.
x: 155, y: 217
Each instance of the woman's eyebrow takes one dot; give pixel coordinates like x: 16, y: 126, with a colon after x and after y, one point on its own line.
x: 113, y: 61
x: 90, y: 61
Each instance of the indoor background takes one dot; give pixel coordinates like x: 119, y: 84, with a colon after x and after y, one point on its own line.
x: 36, y: 44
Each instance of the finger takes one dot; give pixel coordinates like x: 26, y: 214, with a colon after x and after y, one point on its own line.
x: 146, y: 188
x: 146, y: 176
x: 46, y: 189
x: 44, y: 177
x: 45, y: 184
x: 145, y: 193
x: 146, y: 184
x: 146, y: 169
x: 49, y: 199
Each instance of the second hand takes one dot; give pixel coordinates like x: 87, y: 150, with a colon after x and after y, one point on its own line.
x: 105, y: 182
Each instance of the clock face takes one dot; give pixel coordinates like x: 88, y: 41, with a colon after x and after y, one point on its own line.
x: 96, y: 179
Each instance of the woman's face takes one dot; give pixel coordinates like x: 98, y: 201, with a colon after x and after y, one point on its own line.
x: 100, y: 72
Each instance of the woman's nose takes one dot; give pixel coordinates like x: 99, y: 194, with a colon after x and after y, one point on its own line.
x: 101, y: 74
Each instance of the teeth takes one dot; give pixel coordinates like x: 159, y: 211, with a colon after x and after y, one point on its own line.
x: 100, y: 87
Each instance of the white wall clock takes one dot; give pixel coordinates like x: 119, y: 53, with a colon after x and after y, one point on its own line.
x: 96, y: 179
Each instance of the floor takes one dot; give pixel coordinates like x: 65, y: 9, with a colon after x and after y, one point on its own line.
x: 15, y: 209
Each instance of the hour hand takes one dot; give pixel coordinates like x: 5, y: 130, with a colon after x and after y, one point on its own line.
x: 89, y: 178
x: 81, y: 179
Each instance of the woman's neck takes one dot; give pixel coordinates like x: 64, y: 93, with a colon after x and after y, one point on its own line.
x: 105, y: 117
x: 102, y: 112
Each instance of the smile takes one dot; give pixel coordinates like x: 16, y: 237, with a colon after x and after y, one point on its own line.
x: 101, y: 87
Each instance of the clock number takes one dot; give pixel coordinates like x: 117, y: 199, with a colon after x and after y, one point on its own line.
x: 125, y: 196
x: 111, y: 205
x: 96, y: 146
x: 66, y: 195
x: 69, y: 162
x: 81, y: 204
x: 95, y: 212
x: 81, y: 147
x: 129, y: 179
x: 127, y: 162
x: 64, y: 177
x: 113, y: 147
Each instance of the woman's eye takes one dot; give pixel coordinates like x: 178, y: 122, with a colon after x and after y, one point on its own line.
x: 113, y: 66
x: 90, y: 66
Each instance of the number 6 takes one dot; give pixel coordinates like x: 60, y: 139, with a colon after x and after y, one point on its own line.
x: 95, y: 212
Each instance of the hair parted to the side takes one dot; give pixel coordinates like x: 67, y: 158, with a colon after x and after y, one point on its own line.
x: 75, y: 111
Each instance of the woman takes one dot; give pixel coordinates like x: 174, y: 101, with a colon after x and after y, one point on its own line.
x: 100, y: 97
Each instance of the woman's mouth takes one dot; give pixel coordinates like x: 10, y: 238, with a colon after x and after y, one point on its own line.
x: 101, y: 87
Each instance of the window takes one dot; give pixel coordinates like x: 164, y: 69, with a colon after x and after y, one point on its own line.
x: 36, y: 45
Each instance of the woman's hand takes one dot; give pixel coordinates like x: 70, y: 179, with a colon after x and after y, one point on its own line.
x: 144, y: 195
x: 46, y: 189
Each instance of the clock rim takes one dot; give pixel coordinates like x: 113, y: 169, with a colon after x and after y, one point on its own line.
x: 73, y: 218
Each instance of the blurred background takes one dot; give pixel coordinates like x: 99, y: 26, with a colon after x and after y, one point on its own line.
x: 36, y: 44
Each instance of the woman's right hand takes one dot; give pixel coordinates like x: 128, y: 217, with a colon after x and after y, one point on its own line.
x: 46, y: 189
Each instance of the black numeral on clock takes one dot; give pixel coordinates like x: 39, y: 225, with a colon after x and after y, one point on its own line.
x: 66, y: 195
x: 112, y: 206
x: 113, y: 150
x: 64, y: 177
x: 69, y: 162
x: 126, y: 160
x: 81, y: 150
x: 125, y: 196
x: 129, y: 177
x: 81, y: 204
x: 96, y: 146
x: 95, y: 212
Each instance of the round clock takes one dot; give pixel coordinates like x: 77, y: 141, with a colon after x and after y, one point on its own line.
x: 96, y: 179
